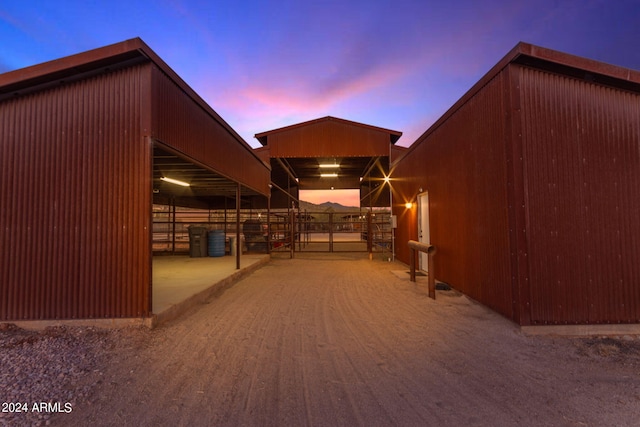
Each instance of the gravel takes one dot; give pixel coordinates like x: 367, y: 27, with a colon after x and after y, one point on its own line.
x: 48, y: 371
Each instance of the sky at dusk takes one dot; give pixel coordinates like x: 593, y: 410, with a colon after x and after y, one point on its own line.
x: 267, y: 64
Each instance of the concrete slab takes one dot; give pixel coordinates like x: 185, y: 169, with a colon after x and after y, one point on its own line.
x: 180, y: 282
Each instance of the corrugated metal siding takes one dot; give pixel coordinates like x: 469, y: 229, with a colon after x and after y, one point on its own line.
x: 461, y: 163
x: 329, y: 138
x: 182, y: 124
x: 582, y: 181
x: 74, y: 186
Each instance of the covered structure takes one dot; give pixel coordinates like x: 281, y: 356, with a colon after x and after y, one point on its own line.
x: 85, y: 142
x: 329, y: 153
x: 528, y: 187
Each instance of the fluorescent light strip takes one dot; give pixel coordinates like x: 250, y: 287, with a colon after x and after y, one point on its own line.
x: 329, y: 175
x: 175, y: 181
x: 329, y: 165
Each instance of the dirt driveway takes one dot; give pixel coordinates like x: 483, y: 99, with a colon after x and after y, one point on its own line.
x: 336, y: 341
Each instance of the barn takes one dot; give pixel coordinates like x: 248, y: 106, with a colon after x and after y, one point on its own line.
x: 528, y: 186
x: 92, y: 149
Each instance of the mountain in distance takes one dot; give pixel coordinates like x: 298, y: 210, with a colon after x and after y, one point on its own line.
x: 325, y: 206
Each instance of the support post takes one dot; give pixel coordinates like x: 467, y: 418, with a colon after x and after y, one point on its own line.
x: 370, y: 234
x: 238, y: 242
x: 269, y: 224
x: 292, y: 232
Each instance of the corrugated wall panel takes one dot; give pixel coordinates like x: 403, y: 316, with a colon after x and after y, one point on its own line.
x: 582, y: 178
x: 182, y: 124
x: 329, y: 138
x: 462, y: 164
x: 75, y: 190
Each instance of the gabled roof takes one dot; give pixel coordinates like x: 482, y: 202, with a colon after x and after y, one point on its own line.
x: 74, y: 67
x: 548, y: 60
x: 393, y: 135
x: 97, y: 61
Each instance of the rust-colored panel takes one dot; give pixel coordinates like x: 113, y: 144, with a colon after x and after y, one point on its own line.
x: 184, y: 125
x: 329, y: 138
x: 74, y: 186
x: 582, y: 163
x: 461, y: 163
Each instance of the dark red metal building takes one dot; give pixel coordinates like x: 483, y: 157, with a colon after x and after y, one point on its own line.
x: 528, y: 186
x: 361, y: 152
x: 84, y: 141
x: 533, y: 180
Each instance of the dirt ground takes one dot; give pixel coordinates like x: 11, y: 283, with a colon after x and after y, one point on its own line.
x: 337, y: 341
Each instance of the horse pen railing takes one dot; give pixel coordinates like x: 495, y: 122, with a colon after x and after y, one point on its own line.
x: 430, y: 250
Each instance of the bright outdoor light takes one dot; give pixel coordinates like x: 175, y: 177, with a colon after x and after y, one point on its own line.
x: 329, y: 175
x: 175, y: 181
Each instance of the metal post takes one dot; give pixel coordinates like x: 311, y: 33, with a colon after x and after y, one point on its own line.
x: 239, y: 248
x: 292, y: 224
x: 370, y: 235
x: 173, y: 225
x: 269, y: 225
x: 330, y: 231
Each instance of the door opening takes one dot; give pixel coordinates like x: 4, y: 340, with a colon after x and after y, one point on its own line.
x: 424, y: 235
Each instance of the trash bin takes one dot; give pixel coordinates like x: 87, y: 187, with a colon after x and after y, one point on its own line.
x: 197, y: 241
x: 216, y: 243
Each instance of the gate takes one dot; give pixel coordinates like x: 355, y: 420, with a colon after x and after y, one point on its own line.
x: 348, y: 231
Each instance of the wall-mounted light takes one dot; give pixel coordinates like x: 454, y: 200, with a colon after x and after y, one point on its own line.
x: 387, y: 179
x: 408, y: 205
x: 328, y: 175
x: 175, y: 181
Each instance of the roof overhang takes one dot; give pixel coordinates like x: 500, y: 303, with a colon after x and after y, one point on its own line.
x: 262, y: 137
x: 529, y: 55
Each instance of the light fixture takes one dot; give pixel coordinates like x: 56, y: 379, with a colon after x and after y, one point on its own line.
x: 328, y: 175
x: 387, y: 179
x: 408, y: 205
x: 175, y: 181
x: 329, y: 165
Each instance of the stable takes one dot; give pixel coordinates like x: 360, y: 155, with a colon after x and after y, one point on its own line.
x: 331, y: 153
x: 92, y: 147
x: 528, y: 186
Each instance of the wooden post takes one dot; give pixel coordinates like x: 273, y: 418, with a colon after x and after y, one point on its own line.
x: 412, y: 264
x: 431, y: 276
x: 430, y: 250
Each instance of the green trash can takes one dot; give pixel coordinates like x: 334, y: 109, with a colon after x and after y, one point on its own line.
x: 197, y: 241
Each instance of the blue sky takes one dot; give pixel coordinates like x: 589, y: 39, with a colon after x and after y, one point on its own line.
x: 267, y: 64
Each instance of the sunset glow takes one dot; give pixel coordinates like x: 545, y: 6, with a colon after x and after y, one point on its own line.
x: 263, y: 65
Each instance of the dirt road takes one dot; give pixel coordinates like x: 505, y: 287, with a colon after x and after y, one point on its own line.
x: 331, y: 341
